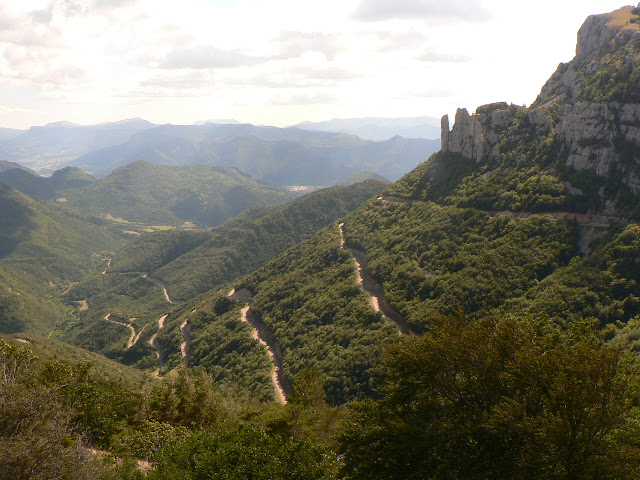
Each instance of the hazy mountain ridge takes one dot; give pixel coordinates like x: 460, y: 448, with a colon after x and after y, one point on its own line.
x: 52, y: 146
x: 288, y: 156
x: 376, y: 128
x: 45, y: 188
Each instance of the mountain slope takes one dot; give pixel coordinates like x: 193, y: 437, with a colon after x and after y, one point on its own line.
x: 501, y: 222
x: 194, y: 263
x: 45, y: 188
x: 160, y: 195
x: 190, y: 263
x: 42, y: 249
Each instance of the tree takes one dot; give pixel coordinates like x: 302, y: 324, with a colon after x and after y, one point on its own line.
x: 499, y: 399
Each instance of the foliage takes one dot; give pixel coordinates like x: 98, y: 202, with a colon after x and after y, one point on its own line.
x: 604, y: 286
x: 309, y: 301
x: 44, y: 410
x: 498, y: 399
x: 194, y: 262
x: 161, y: 195
x: 247, y: 453
x: 445, y: 259
x: 434, y: 179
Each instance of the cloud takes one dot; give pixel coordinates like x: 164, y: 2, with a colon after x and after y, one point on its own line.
x: 208, y: 57
x: 300, y: 77
x: 432, y: 56
x: 196, y: 80
x: 303, y: 99
x: 65, y: 76
x: 4, y: 109
x: 43, y: 16
x: 394, y: 41
x: 379, y: 10
x: 296, y: 44
x: 113, y: 4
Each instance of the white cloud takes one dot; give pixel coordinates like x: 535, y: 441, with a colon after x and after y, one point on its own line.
x: 209, y: 57
x: 303, y: 98
x: 432, y: 56
x: 295, y: 44
x: 377, y: 10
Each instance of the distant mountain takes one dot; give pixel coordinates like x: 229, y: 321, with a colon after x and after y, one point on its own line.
x: 49, y: 147
x: 361, y: 177
x: 8, y: 133
x: 4, y: 165
x: 153, y: 194
x: 224, y: 121
x: 284, y: 156
x: 45, y: 188
x: 373, y: 128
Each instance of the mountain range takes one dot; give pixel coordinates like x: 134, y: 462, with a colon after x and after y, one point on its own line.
x: 379, y: 129
x: 288, y: 156
x: 50, y: 147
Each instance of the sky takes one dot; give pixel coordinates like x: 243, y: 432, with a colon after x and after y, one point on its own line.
x: 276, y: 62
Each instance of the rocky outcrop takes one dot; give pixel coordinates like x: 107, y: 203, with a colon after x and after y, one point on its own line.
x: 597, y: 129
x: 478, y: 136
x: 598, y: 38
x: 609, y: 30
x: 466, y: 137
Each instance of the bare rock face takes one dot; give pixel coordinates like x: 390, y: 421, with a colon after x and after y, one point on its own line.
x: 467, y: 136
x: 599, y: 37
x: 594, y: 34
x: 593, y: 124
x: 444, y: 133
x: 587, y: 131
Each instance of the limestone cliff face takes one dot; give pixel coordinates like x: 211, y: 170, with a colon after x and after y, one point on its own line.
x: 478, y: 136
x: 607, y: 40
x: 590, y: 107
x: 467, y: 136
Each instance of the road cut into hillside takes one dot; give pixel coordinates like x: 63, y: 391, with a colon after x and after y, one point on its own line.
x: 373, y: 288
x: 281, y: 384
x: 163, y: 286
x: 154, y: 342
x: 119, y: 321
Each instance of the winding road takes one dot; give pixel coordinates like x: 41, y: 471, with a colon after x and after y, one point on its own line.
x: 163, y: 286
x: 373, y: 288
x: 281, y: 384
x: 185, y: 347
x: 119, y: 321
x: 154, y: 343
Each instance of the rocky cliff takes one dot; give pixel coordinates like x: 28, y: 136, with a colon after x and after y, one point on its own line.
x: 588, y: 112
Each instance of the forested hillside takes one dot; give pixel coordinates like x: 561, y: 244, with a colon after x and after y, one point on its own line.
x: 143, y: 192
x: 42, y: 250
x: 191, y: 263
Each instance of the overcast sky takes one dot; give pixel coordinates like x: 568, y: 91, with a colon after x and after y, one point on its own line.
x: 276, y: 62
